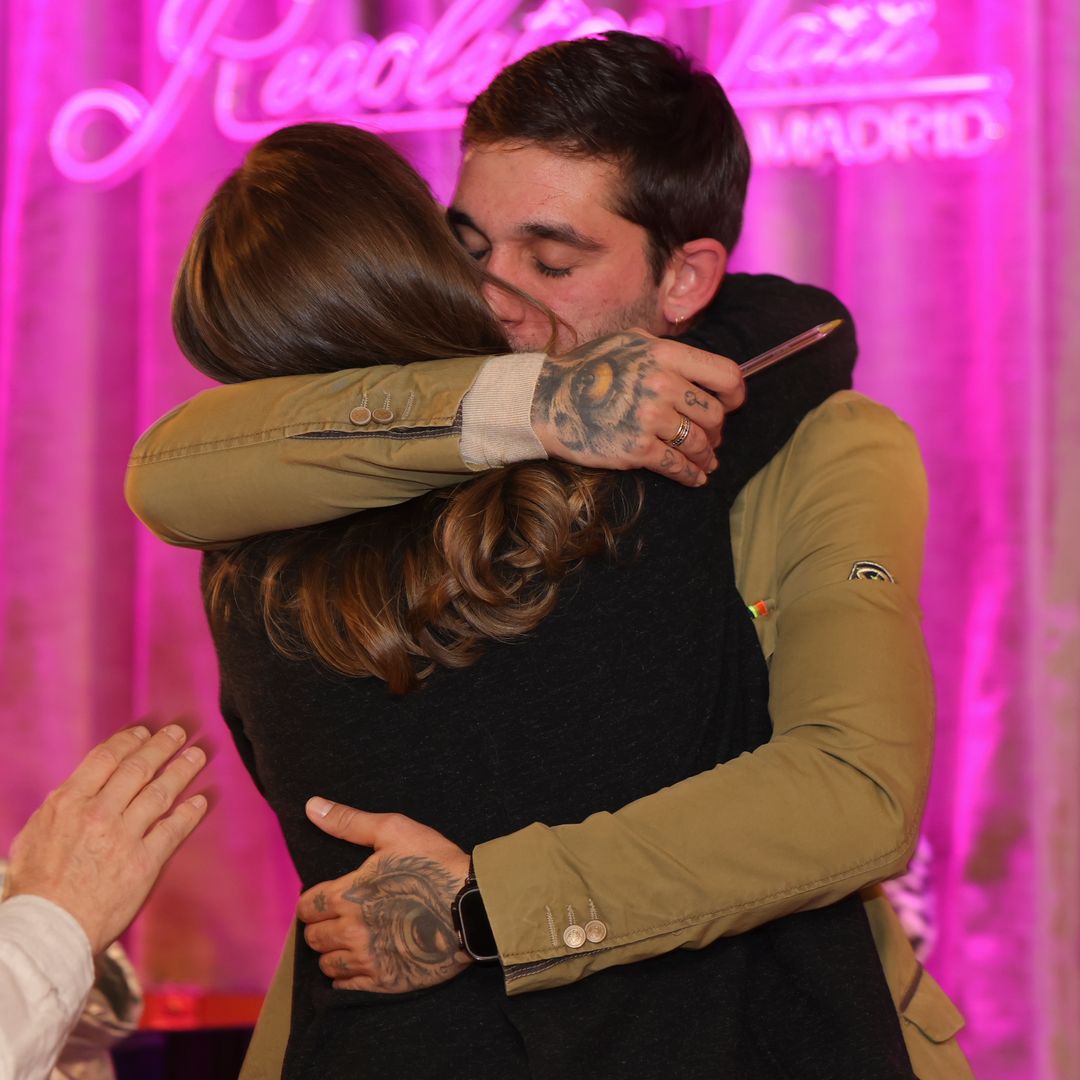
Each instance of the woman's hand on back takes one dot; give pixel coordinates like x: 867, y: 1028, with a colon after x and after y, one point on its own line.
x: 386, y: 927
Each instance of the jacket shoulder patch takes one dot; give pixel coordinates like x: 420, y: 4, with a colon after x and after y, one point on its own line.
x: 870, y: 571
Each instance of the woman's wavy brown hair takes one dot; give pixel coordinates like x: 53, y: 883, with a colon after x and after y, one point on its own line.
x: 325, y: 250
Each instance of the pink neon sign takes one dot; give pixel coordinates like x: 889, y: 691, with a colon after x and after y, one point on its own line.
x: 838, y: 82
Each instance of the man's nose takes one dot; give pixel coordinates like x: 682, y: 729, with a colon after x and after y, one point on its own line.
x: 509, y: 308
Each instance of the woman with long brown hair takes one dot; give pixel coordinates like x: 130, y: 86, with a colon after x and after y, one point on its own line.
x: 504, y: 631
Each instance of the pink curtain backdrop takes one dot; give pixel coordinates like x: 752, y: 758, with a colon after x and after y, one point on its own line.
x: 946, y: 214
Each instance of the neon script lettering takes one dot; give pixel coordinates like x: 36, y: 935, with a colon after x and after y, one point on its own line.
x: 415, y: 79
x: 860, y: 42
x: 406, y: 81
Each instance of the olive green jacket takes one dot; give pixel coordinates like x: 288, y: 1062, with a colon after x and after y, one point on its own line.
x: 828, y: 538
x: 275, y: 454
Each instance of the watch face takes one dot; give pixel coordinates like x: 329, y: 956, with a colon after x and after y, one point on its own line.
x: 475, y: 929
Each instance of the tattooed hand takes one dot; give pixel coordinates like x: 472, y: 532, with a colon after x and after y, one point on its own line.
x: 614, y: 403
x: 387, y: 926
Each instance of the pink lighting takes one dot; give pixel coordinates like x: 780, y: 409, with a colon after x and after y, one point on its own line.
x: 919, y: 159
x: 419, y: 79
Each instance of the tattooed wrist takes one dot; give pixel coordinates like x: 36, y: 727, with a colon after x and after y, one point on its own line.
x: 406, y: 909
x: 590, y: 398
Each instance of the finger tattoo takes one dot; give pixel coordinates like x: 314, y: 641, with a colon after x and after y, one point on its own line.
x: 320, y: 902
x: 692, y: 399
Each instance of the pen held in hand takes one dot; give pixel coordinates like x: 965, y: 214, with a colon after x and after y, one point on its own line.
x: 792, y: 345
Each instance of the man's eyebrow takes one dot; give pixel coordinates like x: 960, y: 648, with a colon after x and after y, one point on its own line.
x: 561, y: 234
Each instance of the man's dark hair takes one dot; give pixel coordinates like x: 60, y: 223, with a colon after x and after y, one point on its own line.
x: 642, y: 105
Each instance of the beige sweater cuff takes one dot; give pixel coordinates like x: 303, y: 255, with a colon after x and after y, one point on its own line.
x: 496, y: 413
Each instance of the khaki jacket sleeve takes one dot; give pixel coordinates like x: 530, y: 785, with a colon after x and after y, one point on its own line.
x: 833, y: 801
x: 279, y: 453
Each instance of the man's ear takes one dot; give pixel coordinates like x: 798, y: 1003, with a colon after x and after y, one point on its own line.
x: 692, y: 278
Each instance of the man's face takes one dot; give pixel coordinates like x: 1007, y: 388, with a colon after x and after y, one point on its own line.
x: 545, y: 223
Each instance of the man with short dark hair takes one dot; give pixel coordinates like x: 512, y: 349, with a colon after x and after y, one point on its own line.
x: 557, y: 186
x: 605, y: 177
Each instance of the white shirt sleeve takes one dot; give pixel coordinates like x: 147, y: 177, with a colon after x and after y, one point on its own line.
x: 46, y: 971
x: 496, y: 413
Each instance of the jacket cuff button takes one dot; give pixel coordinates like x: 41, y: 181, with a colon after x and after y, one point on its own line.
x: 574, y: 936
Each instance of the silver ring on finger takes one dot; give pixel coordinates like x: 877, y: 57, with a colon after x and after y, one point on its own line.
x: 681, y: 435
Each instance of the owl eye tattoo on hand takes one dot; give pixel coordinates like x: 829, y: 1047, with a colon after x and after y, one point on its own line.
x: 593, y: 395
x: 406, y: 908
